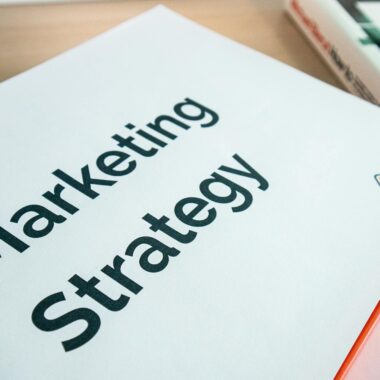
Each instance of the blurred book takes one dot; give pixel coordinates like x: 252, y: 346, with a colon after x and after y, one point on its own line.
x: 347, y: 35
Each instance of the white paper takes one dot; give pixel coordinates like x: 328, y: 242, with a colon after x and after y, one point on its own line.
x: 279, y: 290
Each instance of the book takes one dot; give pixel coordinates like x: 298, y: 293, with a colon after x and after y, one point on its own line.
x: 346, y: 33
x: 175, y: 205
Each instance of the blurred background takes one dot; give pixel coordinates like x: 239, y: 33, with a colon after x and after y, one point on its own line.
x: 32, y: 32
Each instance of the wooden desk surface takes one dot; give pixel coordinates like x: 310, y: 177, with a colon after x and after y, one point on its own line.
x: 30, y: 34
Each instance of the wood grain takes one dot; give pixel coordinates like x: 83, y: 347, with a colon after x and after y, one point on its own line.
x: 30, y: 34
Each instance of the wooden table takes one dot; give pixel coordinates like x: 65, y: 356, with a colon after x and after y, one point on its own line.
x: 30, y: 34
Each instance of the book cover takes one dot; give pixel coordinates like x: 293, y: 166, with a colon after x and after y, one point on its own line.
x: 362, y: 360
x: 175, y: 205
x: 346, y: 33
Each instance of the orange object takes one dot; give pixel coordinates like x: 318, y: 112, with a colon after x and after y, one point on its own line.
x: 359, y: 344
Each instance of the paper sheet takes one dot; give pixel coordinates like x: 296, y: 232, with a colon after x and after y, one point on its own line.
x: 274, y: 282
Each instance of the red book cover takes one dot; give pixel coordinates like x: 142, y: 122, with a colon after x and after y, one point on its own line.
x: 362, y: 362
